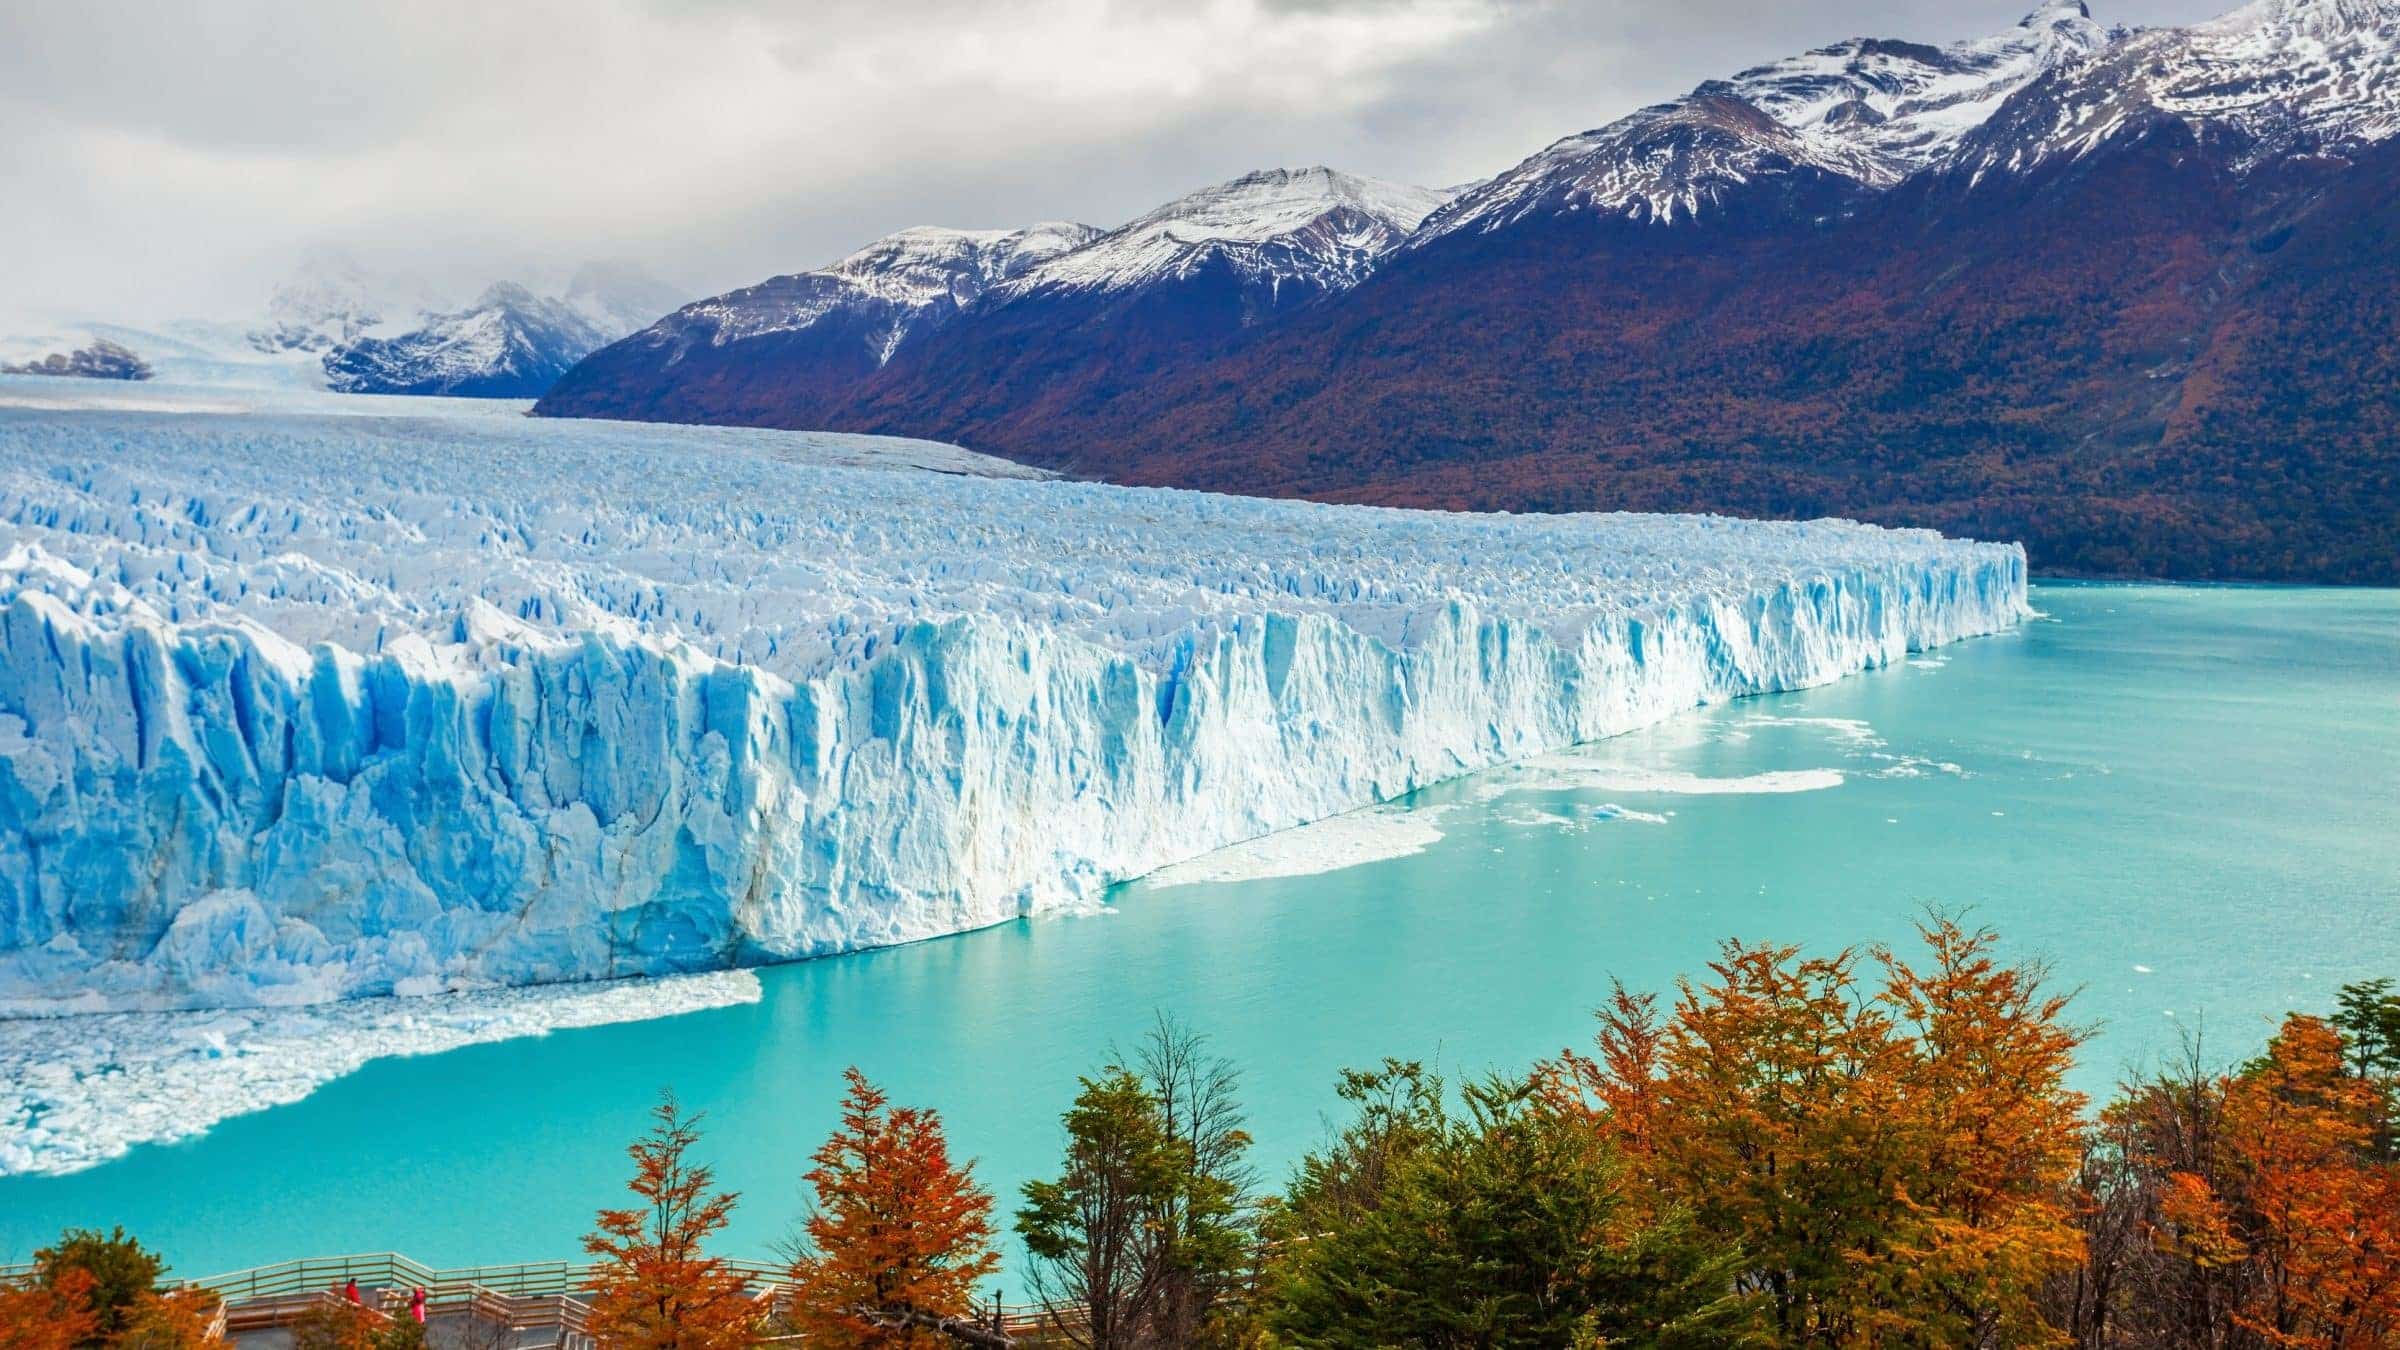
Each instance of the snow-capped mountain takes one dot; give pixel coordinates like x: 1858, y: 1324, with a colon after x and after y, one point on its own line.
x: 788, y: 350
x: 332, y: 298
x: 2277, y: 79
x: 2123, y: 294
x: 886, y: 293
x: 1864, y: 113
x: 2126, y: 296
x: 340, y: 324
x: 815, y: 333
x: 510, y: 343
x: 1309, y: 231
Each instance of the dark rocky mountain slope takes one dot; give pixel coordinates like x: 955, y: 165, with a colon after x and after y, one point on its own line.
x: 2132, y: 297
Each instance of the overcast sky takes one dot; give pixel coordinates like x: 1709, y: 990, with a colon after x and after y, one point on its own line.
x: 172, y: 158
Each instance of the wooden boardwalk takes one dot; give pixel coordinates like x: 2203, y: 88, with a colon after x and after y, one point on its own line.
x: 540, y: 1304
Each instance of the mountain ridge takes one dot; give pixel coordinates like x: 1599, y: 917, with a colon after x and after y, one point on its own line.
x: 2015, y: 286
x: 1059, y: 297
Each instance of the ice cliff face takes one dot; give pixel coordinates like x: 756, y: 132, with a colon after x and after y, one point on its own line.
x: 301, y: 707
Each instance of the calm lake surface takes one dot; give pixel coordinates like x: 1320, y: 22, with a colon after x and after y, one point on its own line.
x: 2186, y: 800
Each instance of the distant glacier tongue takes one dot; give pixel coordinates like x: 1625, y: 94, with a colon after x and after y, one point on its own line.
x: 297, y: 706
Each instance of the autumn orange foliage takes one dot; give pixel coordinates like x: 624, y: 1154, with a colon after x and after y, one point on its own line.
x: 1855, y: 1149
x: 177, y: 1321
x: 1891, y: 1158
x: 900, y: 1234
x: 2279, y: 1222
x: 58, y: 1317
x: 656, y: 1290
x: 61, y: 1315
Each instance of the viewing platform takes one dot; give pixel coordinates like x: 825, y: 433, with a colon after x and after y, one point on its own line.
x: 542, y: 1305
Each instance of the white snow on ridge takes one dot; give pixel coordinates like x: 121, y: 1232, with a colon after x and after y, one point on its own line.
x: 1309, y: 230
x: 2288, y: 77
x: 1868, y: 111
x: 2285, y: 77
x: 1313, y: 226
x: 300, y: 707
x: 895, y: 288
x: 332, y: 298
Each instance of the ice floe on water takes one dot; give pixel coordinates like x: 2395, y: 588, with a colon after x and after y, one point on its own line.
x: 1373, y: 835
x: 1609, y: 767
x: 1850, y: 732
x: 1855, y: 739
x: 1571, y: 773
x: 1916, y: 766
x: 1612, y: 811
x: 1578, y: 817
x: 1396, y: 830
x: 78, y: 1091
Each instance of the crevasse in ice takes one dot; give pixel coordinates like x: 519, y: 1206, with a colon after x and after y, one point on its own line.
x: 296, y: 706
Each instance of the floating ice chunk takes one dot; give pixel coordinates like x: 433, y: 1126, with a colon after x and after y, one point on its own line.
x: 1569, y: 773
x: 1352, y: 840
x: 1850, y: 732
x: 1528, y: 815
x: 78, y: 1091
x: 1612, y: 811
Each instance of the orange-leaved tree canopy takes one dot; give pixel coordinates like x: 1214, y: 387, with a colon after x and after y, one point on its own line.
x: 56, y: 1316
x: 183, y: 1320
x: 2258, y: 1208
x: 1892, y: 1156
x: 655, y: 1289
x: 900, y: 1235
x: 2320, y: 1211
x: 92, y: 1290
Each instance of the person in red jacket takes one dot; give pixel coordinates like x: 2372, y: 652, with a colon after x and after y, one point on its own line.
x: 416, y: 1305
x: 350, y: 1292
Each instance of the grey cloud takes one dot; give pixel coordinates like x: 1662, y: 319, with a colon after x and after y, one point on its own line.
x: 167, y: 158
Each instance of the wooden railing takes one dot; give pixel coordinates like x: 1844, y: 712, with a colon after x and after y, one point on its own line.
x: 538, y: 1296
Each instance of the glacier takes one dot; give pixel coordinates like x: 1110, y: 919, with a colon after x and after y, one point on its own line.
x: 300, y: 705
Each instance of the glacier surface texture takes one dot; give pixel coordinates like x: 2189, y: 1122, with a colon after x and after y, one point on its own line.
x: 298, y: 705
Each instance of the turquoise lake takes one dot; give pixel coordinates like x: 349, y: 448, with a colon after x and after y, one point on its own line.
x: 2187, y: 800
